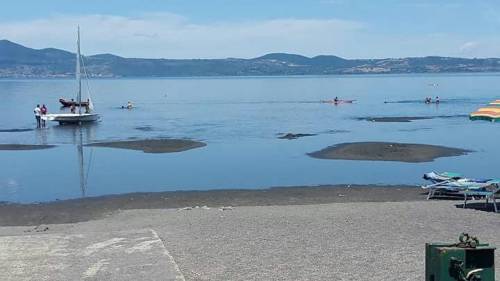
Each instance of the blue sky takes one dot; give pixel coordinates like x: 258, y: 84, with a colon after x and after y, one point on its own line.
x: 245, y: 28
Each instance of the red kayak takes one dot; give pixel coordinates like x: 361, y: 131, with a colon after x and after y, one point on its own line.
x: 338, y: 101
x: 68, y: 103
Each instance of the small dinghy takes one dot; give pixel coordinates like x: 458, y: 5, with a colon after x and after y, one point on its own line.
x: 68, y: 103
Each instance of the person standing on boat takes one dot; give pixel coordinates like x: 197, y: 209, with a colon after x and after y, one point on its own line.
x: 43, y: 111
x: 87, y: 106
x: 37, y: 112
x: 73, y: 108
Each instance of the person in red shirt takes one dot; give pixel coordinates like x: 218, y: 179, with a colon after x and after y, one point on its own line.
x: 43, y: 112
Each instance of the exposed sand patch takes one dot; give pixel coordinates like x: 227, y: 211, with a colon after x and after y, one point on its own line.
x: 154, y: 145
x: 292, y: 136
x: 405, y: 119
x: 385, y: 151
x: 24, y: 146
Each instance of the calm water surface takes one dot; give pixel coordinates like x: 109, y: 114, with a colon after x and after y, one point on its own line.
x: 239, y: 119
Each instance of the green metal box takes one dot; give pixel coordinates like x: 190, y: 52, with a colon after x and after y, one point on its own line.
x: 467, y: 260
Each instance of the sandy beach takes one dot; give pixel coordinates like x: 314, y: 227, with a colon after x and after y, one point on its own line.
x: 323, y: 234
x: 77, y: 210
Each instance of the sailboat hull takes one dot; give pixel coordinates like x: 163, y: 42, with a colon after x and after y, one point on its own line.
x: 71, y: 118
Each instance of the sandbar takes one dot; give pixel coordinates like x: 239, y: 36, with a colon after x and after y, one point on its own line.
x: 153, y: 145
x: 292, y: 136
x: 15, y: 130
x: 405, y: 119
x: 387, y: 151
x: 25, y: 146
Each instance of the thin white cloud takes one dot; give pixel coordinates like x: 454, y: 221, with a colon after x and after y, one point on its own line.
x: 165, y: 35
x: 172, y: 36
x: 468, y: 47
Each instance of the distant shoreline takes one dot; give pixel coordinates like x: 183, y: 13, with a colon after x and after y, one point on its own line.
x: 410, y: 74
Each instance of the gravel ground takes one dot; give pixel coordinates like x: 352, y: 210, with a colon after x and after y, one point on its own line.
x: 339, y: 241
x: 352, y: 241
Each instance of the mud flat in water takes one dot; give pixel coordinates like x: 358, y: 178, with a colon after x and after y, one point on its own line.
x: 153, y: 145
x: 292, y: 136
x: 15, y: 130
x: 386, y: 151
x: 406, y: 119
x: 24, y: 146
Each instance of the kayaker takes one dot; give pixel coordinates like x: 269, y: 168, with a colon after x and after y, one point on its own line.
x: 37, y: 112
x: 129, y: 105
x: 336, y: 100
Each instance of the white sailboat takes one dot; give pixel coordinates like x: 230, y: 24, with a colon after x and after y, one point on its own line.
x: 79, y: 116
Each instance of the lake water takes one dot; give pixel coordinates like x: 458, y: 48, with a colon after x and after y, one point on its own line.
x: 239, y: 119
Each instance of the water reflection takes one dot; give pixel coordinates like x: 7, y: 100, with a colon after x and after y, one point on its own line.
x: 73, y: 134
x: 80, y: 135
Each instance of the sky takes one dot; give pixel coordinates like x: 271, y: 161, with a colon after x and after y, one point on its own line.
x: 251, y: 28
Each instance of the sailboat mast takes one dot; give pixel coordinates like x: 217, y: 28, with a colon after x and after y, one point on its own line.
x: 78, y: 74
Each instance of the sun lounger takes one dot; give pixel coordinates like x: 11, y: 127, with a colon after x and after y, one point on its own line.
x: 453, y: 184
x: 490, y: 193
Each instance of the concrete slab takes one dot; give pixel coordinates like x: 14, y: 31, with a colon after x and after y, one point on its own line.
x: 124, y: 255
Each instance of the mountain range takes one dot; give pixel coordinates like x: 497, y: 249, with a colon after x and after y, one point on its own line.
x: 17, y: 61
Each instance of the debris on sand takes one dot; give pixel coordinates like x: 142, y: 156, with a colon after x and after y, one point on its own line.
x: 38, y: 228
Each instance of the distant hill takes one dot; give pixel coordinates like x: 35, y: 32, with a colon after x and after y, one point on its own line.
x: 23, y: 62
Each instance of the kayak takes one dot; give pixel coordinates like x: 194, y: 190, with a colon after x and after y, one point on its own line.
x: 338, y: 101
x: 68, y: 103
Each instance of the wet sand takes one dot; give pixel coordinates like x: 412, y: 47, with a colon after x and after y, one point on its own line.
x: 24, y: 146
x: 385, y: 151
x: 69, y: 211
x: 405, y: 119
x: 153, y: 145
